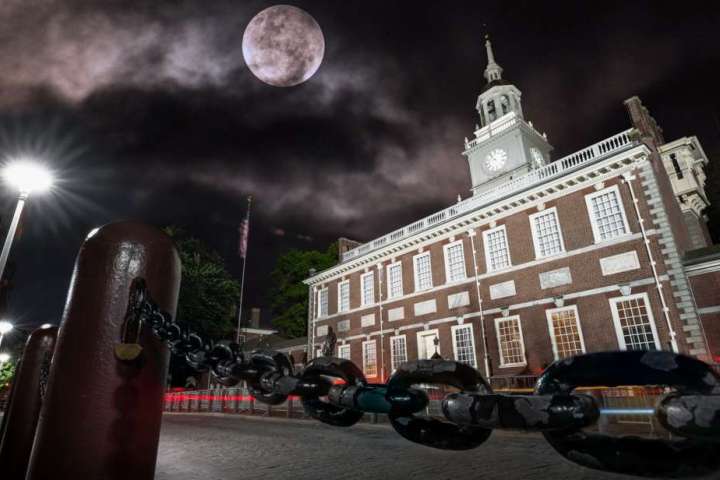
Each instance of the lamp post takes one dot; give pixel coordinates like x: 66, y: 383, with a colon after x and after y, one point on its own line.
x: 5, y: 327
x: 26, y: 177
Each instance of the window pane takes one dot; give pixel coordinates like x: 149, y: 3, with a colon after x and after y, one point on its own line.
x: 369, y: 359
x: 608, y: 216
x: 344, y: 351
x: 511, y: 348
x: 398, y: 352
x: 423, y: 273
x: 497, y: 250
x: 455, y: 263
x: 635, y: 323
x: 547, y: 234
x: 395, y: 280
x: 323, y: 303
x: 344, y: 294
x: 368, y: 288
x: 464, y: 345
x: 566, y: 333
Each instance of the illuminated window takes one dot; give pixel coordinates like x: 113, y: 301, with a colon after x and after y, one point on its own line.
x: 634, y: 324
x: 455, y: 262
x: 394, y: 276
x: 546, y: 233
x: 367, y: 282
x: 323, y: 303
x: 464, y: 344
x: 510, y: 341
x: 423, y: 271
x: 370, y: 358
x: 497, y: 254
x: 565, y: 332
x: 607, y: 214
x: 398, y: 351
x: 344, y: 351
x: 344, y: 296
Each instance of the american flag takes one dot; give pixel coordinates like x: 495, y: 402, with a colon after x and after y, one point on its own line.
x: 243, y: 243
x: 244, y: 231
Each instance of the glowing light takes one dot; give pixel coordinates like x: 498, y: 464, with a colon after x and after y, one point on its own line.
x: 28, y: 176
x: 4, y: 357
x: 46, y: 325
x: 5, y: 327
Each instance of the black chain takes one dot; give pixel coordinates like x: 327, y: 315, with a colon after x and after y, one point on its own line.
x: 691, y: 411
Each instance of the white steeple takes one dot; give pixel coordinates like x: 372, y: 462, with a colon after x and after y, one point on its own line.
x: 493, y: 71
x: 505, y: 144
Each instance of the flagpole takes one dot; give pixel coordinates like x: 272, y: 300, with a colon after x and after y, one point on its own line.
x: 242, y: 278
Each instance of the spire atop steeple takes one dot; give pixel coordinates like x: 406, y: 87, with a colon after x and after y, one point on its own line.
x: 493, y: 71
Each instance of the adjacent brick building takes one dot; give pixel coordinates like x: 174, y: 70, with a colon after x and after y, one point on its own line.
x: 597, y: 250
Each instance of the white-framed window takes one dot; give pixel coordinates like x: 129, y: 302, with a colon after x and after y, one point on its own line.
x: 318, y: 353
x: 398, y: 351
x: 394, y: 280
x: 565, y: 332
x: 634, y: 323
x: 423, y: 271
x: 367, y: 288
x: 464, y: 344
x: 344, y: 351
x: 607, y: 214
x: 426, y: 343
x: 344, y: 296
x: 547, y: 237
x: 510, y: 341
x: 322, y: 310
x: 454, y: 262
x: 369, y: 350
x: 497, y: 253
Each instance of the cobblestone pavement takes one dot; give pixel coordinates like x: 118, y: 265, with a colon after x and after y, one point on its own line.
x: 230, y: 447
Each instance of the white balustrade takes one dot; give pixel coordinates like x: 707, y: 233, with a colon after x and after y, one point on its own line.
x: 595, y: 152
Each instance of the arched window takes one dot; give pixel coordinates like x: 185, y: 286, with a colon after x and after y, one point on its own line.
x: 505, y: 104
x: 492, y: 112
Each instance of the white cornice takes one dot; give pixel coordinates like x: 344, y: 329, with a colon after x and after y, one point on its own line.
x: 576, y: 180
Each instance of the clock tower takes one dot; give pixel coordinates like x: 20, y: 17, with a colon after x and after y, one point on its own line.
x: 504, y: 144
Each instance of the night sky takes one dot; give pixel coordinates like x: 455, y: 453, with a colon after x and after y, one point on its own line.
x: 146, y: 110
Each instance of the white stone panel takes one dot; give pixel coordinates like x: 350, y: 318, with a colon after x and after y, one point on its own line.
x: 423, y: 308
x: 623, y: 262
x: 502, y: 290
x: 343, y: 325
x: 457, y: 300
x: 321, y: 331
x: 396, y: 314
x: 367, y: 320
x: 555, y: 278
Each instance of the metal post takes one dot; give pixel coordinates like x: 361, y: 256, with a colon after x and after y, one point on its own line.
x: 23, y: 409
x: 11, y: 232
x: 101, y: 418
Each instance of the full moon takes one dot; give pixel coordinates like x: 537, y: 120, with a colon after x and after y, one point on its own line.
x: 283, y: 46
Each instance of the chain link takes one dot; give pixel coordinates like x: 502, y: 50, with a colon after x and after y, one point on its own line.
x: 335, y: 391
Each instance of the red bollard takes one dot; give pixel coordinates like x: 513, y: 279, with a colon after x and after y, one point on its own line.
x: 101, y: 416
x: 21, y: 414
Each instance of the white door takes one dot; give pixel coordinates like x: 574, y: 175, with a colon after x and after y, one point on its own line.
x: 426, y: 345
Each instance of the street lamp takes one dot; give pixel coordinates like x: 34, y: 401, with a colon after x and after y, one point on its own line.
x: 4, y: 357
x: 5, y: 327
x: 26, y: 177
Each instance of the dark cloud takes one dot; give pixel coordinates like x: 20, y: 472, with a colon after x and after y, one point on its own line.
x: 148, y: 111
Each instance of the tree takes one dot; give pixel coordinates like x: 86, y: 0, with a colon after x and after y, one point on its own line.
x: 7, y: 372
x: 208, y: 293
x: 288, y: 296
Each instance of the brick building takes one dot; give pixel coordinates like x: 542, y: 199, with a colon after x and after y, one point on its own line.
x: 603, y: 249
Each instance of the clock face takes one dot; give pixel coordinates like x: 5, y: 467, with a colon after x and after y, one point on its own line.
x: 537, y: 157
x: 495, y: 160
